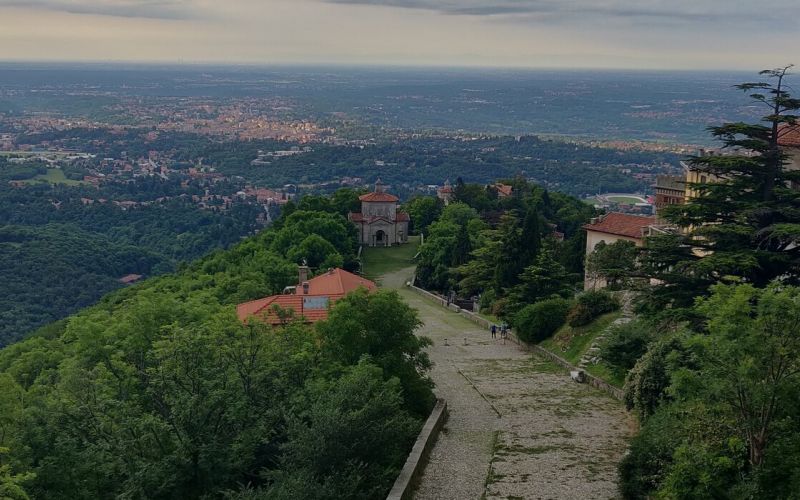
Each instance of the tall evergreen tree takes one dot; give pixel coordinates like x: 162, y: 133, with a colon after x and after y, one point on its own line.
x: 744, y: 222
x: 531, y: 235
x: 509, y: 262
x: 462, y: 247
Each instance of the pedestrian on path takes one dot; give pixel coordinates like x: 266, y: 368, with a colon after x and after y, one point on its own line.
x: 494, y: 331
x: 503, y: 329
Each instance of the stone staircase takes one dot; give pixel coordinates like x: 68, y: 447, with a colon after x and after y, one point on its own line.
x: 592, y: 354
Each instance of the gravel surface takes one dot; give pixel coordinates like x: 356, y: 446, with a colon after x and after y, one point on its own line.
x: 518, y: 427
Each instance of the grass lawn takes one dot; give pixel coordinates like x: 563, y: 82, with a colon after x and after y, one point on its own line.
x: 629, y: 200
x: 54, y: 176
x: 605, y: 372
x: 571, y: 343
x: 381, y: 260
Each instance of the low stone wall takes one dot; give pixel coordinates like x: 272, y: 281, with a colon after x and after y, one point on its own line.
x: 483, y: 322
x: 404, y: 485
x: 590, y: 379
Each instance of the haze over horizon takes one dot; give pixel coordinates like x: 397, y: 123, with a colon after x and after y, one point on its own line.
x: 610, y: 34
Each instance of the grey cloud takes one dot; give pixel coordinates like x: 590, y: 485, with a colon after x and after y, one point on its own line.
x: 680, y: 10
x: 148, y: 9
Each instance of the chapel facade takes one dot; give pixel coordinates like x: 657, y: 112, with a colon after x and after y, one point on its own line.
x: 380, y: 223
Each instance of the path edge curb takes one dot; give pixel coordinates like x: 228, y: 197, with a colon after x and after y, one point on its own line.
x: 418, y: 457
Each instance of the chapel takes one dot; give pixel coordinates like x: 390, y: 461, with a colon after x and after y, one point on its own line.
x: 380, y: 223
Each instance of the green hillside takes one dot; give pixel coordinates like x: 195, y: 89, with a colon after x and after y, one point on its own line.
x: 159, y: 391
x: 58, y: 254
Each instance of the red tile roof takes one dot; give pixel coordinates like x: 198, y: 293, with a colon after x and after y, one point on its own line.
x: 130, y: 278
x: 402, y: 217
x: 338, y: 281
x: 378, y: 197
x: 323, y: 291
x: 789, y: 136
x: 621, y: 225
x: 504, y: 189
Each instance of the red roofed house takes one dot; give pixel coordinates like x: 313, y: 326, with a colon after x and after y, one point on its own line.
x: 789, y: 141
x: 310, y: 299
x: 379, y: 223
x: 611, y: 228
x: 446, y: 193
x: 504, y: 190
x: 130, y: 279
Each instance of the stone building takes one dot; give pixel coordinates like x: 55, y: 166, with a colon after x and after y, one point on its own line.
x: 380, y: 223
x: 446, y: 193
x: 670, y: 190
x: 611, y: 228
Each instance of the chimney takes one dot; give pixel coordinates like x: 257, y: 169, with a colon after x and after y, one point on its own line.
x: 303, y: 273
x: 305, y: 288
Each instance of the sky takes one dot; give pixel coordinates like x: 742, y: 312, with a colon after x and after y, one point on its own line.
x: 633, y: 34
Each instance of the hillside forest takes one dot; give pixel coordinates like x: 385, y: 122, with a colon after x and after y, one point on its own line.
x: 159, y: 391
x: 59, y: 254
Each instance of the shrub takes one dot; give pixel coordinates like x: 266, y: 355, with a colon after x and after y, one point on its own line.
x: 499, y: 307
x: 644, y: 468
x: 487, y: 299
x: 590, y: 305
x: 646, y: 384
x: 539, y: 321
x: 626, y: 344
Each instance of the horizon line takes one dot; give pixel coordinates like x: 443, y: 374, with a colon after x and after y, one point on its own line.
x: 360, y: 65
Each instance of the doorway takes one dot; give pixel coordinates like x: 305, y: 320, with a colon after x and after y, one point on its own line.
x: 380, y: 238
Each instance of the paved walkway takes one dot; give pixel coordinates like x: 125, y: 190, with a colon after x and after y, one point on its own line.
x: 518, y: 427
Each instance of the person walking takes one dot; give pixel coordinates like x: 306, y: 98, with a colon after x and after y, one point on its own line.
x: 494, y: 331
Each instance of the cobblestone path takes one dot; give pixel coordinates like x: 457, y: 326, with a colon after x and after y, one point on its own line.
x: 518, y: 427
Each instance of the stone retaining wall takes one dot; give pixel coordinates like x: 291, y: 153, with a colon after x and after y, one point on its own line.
x: 590, y: 379
x: 404, y: 485
x: 483, y: 322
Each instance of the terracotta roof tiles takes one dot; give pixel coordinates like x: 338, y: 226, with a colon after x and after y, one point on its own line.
x: 378, y: 197
x: 323, y: 291
x: 789, y: 136
x: 619, y: 224
x: 504, y: 189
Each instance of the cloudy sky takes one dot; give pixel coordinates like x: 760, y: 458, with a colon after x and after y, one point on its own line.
x: 719, y: 34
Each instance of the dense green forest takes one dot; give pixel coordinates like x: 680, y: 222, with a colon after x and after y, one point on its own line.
x: 556, y: 165
x: 711, y: 360
x: 158, y: 391
x: 58, y: 255
x: 510, y: 251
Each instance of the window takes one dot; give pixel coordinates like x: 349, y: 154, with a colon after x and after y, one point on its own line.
x: 315, y: 302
